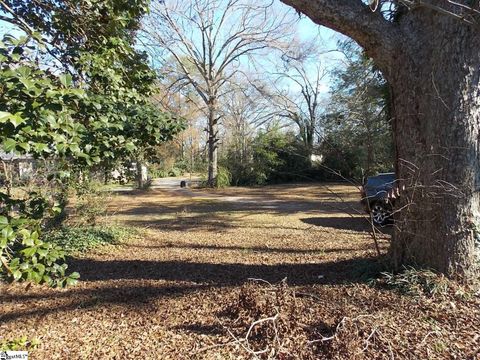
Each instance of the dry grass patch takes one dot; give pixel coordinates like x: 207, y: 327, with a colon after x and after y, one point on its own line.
x: 181, y: 289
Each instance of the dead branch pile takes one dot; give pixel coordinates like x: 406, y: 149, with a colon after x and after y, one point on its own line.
x: 276, y: 321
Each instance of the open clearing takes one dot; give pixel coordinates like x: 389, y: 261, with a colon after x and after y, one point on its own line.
x: 181, y: 290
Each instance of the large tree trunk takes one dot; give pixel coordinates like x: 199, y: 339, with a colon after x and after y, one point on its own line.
x: 212, y: 145
x: 432, y: 62
x: 437, y: 119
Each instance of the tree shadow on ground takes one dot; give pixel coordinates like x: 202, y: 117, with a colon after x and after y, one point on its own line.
x: 255, y: 206
x: 210, y: 222
x: 76, y: 299
x: 259, y: 249
x: 134, y: 283
x: 221, y: 216
x: 358, y: 224
x: 218, y: 274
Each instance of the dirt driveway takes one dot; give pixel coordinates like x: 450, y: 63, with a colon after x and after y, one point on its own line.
x: 209, y: 265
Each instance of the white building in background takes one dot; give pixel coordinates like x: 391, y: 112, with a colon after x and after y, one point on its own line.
x: 316, y: 159
x: 22, y: 166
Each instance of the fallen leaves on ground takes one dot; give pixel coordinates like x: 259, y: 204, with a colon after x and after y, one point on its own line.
x: 279, y: 272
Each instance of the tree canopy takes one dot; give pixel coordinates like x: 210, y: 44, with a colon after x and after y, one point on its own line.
x: 73, y: 87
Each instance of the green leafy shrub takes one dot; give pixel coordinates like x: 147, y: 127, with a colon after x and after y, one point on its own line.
x: 274, y: 156
x: 24, y: 256
x: 175, y: 172
x: 224, y: 177
x: 80, y: 239
x: 158, y: 173
x: 90, y: 204
x: 19, y: 344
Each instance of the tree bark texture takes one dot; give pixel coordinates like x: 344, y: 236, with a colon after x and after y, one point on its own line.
x: 212, y: 130
x: 142, y: 174
x: 432, y: 62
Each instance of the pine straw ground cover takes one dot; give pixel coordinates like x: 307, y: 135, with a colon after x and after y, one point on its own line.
x: 279, y: 272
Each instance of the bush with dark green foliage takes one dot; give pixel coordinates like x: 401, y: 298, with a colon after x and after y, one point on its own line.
x: 25, y: 256
x: 87, y: 108
x: 224, y: 178
x: 174, y: 172
x: 80, y: 239
x: 274, y: 157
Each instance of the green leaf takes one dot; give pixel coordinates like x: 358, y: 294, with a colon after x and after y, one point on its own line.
x: 42, y: 252
x: 25, y: 233
x: 56, y: 209
x: 130, y: 146
x: 66, y: 80
x: 9, y: 145
x: 35, y: 235
x: 29, y: 84
x: 25, y: 146
x: 17, y: 274
x: 28, y: 242
x: 41, y: 147
x: 16, y: 119
x: 40, y: 268
x: 29, y: 251
x: 8, y: 233
x: 4, y: 116
x: 71, y: 282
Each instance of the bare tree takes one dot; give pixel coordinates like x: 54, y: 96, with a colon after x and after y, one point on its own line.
x: 244, y: 110
x: 295, y: 89
x: 183, y: 105
x: 210, y: 41
x: 303, y: 105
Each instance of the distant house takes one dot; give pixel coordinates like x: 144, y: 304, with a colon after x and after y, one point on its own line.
x: 21, y: 166
x: 316, y: 159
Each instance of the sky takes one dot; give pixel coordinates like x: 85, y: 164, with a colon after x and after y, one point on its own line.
x: 329, y: 39
x: 306, y: 30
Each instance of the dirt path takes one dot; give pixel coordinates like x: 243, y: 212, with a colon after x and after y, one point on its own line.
x: 175, y: 292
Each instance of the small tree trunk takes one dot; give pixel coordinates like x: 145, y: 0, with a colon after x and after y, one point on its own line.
x: 192, y: 156
x: 369, y: 146
x: 437, y: 126
x: 7, y: 177
x: 142, y: 174
x: 310, y: 133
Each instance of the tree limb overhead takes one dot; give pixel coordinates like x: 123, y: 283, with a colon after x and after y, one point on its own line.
x: 356, y: 20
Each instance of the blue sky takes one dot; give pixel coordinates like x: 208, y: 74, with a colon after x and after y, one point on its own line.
x: 306, y: 30
x: 327, y: 37
x: 327, y: 40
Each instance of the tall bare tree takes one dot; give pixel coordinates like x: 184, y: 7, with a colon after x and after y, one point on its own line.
x: 303, y: 105
x: 429, y: 52
x: 210, y: 41
x: 245, y: 110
